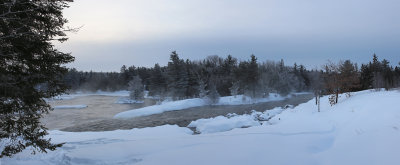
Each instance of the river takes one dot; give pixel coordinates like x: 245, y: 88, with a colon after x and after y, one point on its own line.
x: 98, y: 116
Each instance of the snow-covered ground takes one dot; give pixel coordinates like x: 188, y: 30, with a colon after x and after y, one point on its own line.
x: 362, y: 129
x: 196, y: 102
x: 70, y: 106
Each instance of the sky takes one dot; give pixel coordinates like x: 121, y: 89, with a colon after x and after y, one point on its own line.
x: 308, y: 32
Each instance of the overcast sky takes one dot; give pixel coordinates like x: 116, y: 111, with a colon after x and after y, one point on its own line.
x: 309, y: 32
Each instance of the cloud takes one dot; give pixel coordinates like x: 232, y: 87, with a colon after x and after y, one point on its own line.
x: 309, y: 31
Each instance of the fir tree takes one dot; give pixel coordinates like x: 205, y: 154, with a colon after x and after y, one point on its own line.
x: 31, y: 69
x: 366, y: 76
x: 158, y: 84
x: 178, y: 78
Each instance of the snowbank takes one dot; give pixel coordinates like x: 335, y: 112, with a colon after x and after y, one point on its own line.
x: 362, y: 129
x: 163, y: 107
x: 241, y: 99
x: 70, y: 106
x: 231, y: 121
x: 196, y: 102
x: 222, y: 123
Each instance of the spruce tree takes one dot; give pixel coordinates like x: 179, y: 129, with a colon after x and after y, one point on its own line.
x: 157, y: 86
x: 366, y: 76
x: 30, y: 71
x: 252, y: 76
x: 348, y: 77
x: 177, y: 77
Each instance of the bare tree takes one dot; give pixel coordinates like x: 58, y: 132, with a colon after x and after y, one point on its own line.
x: 332, y: 82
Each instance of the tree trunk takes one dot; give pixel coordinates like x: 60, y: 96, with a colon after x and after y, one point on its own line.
x: 319, y: 103
x: 337, y: 96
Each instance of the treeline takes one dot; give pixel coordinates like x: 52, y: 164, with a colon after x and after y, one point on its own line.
x: 216, y: 76
x: 346, y: 77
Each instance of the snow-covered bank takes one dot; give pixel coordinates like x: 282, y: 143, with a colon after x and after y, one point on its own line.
x: 70, y: 106
x: 362, y: 129
x: 229, y: 122
x: 196, y: 102
x: 163, y: 107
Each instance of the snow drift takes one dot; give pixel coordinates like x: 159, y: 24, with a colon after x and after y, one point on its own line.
x: 231, y: 121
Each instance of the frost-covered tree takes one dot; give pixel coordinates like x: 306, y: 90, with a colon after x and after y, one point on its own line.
x: 234, y: 89
x: 31, y: 69
x: 202, y: 89
x: 213, y: 95
x: 317, y: 86
x: 136, y: 89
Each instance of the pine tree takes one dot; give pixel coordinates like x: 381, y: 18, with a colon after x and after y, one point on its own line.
x: 158, y: 84
x: 376, y: 68
x: 249, y: 76
x: 304, y: 77
x: 366, y: 76
x: 31, y: 69
x: 227, y: 75
x: 178, y: 78
x: 348, y: 77
x: 192, y: 80
x: 387, y: 74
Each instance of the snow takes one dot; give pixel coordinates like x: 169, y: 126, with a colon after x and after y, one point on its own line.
x: 62, y: 97
x: 241, y: 99
x: 362, y: 129
x: 231, y: 121
x: 190, y: 103
x: 70, y: 106
x: 222, y: 123
x: 163, y: 107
